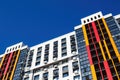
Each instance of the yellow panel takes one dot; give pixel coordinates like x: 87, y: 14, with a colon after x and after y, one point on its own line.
x: 14, y: 67
x: 101, y: 29
x: 85, y: 35
x: 107, y: 49
x: 2, y: 61
x: 111, y: 39
x: 102, y: 51
x: 93, y: 72
x: 115, y: 68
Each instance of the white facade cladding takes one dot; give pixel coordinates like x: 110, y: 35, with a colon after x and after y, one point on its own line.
x: 54, y: 59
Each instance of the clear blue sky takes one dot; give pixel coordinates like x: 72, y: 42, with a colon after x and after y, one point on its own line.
x: 36, y: 21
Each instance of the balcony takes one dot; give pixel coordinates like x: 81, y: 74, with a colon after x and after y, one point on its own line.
x: 75, y: 58
x: 45, y: 69
x: 75, y: 66
x: 26, y: 75
x: 55, y: 66
x: 55, y: 58
x: 76, y: 71
x: 45, y: 62
x: 27, y: 68
x: 73, y: 52
x: 55, y: 74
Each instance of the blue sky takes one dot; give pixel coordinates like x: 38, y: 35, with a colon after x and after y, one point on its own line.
x: 36, y: 21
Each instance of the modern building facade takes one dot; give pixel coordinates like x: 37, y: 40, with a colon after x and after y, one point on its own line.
x: 90, y: 52
x: 101, y: 45
x: 13, y: 62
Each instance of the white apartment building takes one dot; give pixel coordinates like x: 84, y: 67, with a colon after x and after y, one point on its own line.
x: 56, y: 59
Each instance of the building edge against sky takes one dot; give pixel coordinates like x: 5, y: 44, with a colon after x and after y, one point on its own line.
x: 90, y: 52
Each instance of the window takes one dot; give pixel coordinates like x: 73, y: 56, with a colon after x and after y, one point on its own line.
x: 37, y: 63
x: 40, y: 49
x: 63, y: 44
x: 65, y: 71
x: 56, y: 74
x: 45, y: 76
x: 91, y: 18
x: 65, y: 74
x: 47, y: 46
x: 75, y: 66
x: 36, y: 77
x: 30, y: 58
x: 64, y: 54
x: 38, y: 58
x: 10, y: 49
x: 55, y: 49
x: 7, y: 50
x: 64, y: 39
x: 16, y: 47
x: 95, y: 17
x: 39, y: 53
x: 56, y: 43
x: 64, y: 49
x: 19, y: 46
x: 84, y: 21
x: 46, y: 56
x: 77, y: 77
x: 28, y: 72
x: 99, y: 16
x: 65, y: 68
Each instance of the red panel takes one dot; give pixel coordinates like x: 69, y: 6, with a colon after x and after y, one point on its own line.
x: 8, y: 63
x: 109, y: 75
x: 89, y: 55
x: 95, y: 31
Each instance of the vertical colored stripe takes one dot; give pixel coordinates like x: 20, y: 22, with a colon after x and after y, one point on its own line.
x: 102, y: 51
x: 6, y: 76
x: 109, y: 75
x: 8, y: 63
x: 15, y: 64
x: 85, y: 35
x: 107, y: 49
x: 2, y: 60
x: 93, y: 72
x: 100, y: 29
x: 95, y: 31
x: 111, y: 39
x: 89, y: 55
